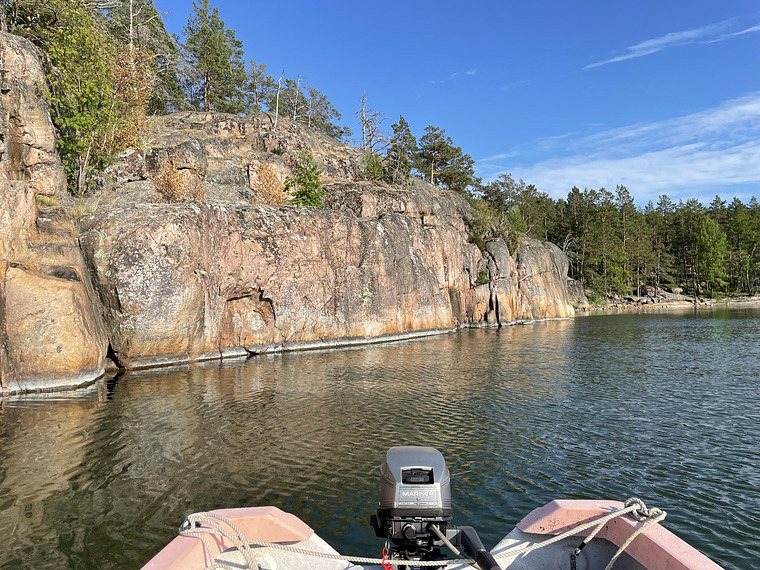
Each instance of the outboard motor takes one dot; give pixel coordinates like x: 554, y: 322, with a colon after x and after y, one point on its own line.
x: 415, y: 509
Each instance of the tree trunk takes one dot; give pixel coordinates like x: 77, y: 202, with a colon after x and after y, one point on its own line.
x: 131, y: 26
x: 277, y: 99
x: 364, y: 121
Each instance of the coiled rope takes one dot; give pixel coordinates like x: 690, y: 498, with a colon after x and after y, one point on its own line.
x: 192, y: 527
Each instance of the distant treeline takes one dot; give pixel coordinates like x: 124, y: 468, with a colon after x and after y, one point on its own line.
x: 616, y: 248
x: 111, y: 63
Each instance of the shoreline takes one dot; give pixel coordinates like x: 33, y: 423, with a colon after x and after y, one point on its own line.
x: 249, y: 353
x: 349, y: 343
x: 705, y: 303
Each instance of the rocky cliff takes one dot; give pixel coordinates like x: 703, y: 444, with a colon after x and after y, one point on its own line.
x: 161, y: 283
x: 51, y: 331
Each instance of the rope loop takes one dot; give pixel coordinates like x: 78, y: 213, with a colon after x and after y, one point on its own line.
x: 642, y: 513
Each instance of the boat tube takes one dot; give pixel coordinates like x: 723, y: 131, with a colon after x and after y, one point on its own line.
x: 414, y: 517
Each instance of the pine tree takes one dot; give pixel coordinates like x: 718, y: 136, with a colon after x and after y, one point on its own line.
x: 627, y: 211
x: 321, y: 113
x: 401, y: 152
x: 662, y: 222
x: 259, y: 87
x: 687, y: 219
x: 443, y: 163
x: 640, y: 252
x: 459, y: 174
x: 434, y: 152
x: 305, y: 185
x: 215, y: 73
x: 607, y: 259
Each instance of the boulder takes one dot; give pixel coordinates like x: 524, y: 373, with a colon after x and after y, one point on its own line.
x: 542, y: 281
x: 576, y: 294
x: 51, y: 332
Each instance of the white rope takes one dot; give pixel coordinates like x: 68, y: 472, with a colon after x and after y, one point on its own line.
x: 573, y: 531
x: 649, y: 517
x: 191, y: 527
x: 187, y: 530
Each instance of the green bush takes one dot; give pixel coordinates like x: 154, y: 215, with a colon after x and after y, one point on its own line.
x: 373, y: 168
x: 305, y: 186
x: 483, y: 277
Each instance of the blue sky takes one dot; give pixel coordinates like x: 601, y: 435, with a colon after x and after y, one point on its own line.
x: 661, y: 96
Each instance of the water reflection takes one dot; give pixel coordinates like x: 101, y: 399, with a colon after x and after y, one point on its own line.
x: 652, y: 405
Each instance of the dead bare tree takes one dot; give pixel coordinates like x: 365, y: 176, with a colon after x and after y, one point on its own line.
x: 277, y: 99
x: 374, y: 140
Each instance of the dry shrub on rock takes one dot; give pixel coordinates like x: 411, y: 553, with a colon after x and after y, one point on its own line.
x: 269, y: 186
x: 175, y: 185
x: 133, y: 83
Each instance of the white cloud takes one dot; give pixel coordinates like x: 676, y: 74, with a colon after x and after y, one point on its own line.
x: 712, y: 33
x: 516, y: 84
x: 691, y: 156
x: 688, y: 171
x: 452, y: 75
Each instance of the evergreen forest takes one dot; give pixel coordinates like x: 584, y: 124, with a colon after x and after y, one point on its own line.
x: 111, y: 63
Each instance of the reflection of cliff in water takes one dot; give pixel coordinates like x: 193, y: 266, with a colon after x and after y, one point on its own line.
x: 117, y: 465
x: 42, y: 447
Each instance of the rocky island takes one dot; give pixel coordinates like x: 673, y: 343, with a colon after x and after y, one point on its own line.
x: 123, y: 280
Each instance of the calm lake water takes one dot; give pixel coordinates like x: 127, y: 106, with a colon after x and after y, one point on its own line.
x: 663, y: 406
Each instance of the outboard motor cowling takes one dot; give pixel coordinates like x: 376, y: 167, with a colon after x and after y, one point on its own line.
x: 415, y: 491
x: 415, y: 508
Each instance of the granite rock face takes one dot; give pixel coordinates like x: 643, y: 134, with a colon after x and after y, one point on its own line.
x: 540, y: 291
x: 576, y: 294
x: 195, y: 281
x: 502, y: 271
x: 51, y: 334
x: 228, y: 151
x: 27, y: 139
x: 163, y: 283
x: 202, y: 281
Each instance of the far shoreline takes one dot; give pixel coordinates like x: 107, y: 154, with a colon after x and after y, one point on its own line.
x: 705, y: 303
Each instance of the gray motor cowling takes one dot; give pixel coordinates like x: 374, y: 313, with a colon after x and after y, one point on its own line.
x: 414, y: 481
x: 415, y: 492
x: 415, y: 508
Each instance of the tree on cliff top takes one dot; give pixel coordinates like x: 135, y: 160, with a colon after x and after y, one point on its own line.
x: 443, y: 163
x: 305, y: 185
x: 80, y: 63
x: 401, y: 152
x: 321, y: 113
x: 295, y: 99
x: 214, y: 74
x: 138, y: 25
x: 373, y: 138
x: 260, y: 85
